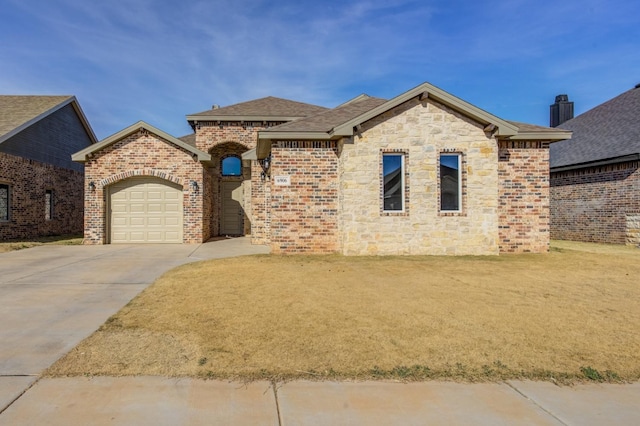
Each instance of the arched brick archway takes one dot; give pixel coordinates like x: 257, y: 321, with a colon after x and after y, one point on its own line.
x: 229, y: 204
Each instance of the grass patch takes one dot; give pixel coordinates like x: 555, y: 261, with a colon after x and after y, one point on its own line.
x: 570, y: 315
x: 67, y: 240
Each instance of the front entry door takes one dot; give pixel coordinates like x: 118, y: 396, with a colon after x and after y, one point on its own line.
x: 231, y: 218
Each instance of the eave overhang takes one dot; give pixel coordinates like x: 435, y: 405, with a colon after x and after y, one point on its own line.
x: 87, y: 153
x: 598, y: 163
x: 541, y: 136
x: 193, y: 119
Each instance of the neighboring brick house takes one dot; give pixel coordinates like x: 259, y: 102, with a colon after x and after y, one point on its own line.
x: 595, y: 178
x: 423, y: 173
x: 41, y: 188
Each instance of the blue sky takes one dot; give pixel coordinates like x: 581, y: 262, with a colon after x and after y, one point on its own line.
x: 159, y: 60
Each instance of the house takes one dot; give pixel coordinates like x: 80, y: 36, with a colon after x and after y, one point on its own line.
x: 41, y: 188
x: 595, y: 179
x: 422, y: 173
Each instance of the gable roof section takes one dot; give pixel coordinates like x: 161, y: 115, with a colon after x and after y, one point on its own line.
x: 19, y: 112
x: 344, y: 120
x: 424, y: 90
x: 84, y: 155
x: 263, y: 109
x: 321, y: 125
x: 606, y: 134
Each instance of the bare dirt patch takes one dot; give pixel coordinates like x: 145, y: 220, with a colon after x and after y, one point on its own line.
x: 568, y: 315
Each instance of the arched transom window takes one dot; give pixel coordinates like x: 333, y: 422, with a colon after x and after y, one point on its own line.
x: 231, y: 166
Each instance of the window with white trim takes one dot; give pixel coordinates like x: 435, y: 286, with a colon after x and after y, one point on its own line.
x: 450, y: 183
x: 4, y: 202
x: 393, y: 182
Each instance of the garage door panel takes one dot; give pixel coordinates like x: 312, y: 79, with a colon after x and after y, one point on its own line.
x: 118, y: 208
x: 155, y: 221
x: 172, y: 235
x: 146, y: 210
x: 155, y: 208
x: 137, y: 237
x: 171, y: 221
x: 137, y: 221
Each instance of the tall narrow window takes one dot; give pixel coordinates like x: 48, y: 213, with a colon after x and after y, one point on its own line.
x: 231, y: 166
x: 450, y: 179
x: 4, y: 201
x: 393, y: 182
x: 48, y: 204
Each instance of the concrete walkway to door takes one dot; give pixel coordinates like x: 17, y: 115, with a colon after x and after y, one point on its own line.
x: 55, y: 296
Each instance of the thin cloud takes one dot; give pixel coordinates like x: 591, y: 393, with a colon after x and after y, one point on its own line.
x: 158, y: 60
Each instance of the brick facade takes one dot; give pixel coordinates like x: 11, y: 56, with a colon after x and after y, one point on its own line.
x: 304, y: 210
x: 145, y: 154
x: 28, y: 181
x: 221, y: 139
x: 523, y: 170
x: 596, y: 204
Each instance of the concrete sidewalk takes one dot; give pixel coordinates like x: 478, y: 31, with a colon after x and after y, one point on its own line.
x: 170, y: 401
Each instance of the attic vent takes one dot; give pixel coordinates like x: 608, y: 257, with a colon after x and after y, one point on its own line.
x: 637, y: 86
x: 215, y: 106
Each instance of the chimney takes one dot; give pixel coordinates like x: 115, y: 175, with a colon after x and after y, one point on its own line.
x: 561, y: 111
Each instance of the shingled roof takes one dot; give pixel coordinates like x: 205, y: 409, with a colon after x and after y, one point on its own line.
x: 327, y: 120
x: 608, y: 133
x: 19, y: 112
x: 263, y: 109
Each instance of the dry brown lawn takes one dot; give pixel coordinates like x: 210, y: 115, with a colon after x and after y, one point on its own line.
x: 33, y: 242
x: 572, y: 314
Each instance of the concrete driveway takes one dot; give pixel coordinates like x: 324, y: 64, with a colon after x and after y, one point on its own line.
x: 52, y: 297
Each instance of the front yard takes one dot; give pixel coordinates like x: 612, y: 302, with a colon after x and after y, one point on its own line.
x: 572, y: 314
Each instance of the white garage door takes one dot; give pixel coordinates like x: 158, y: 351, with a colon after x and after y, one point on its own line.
x: 145, y: 210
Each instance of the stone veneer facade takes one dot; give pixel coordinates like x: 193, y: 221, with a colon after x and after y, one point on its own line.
x: 597, y: 204
x: 28, y: 180
x: 422, y: 131
x: 333, y: 202
x: 145, y: 154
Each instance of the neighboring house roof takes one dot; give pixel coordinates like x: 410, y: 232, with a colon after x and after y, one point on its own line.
x: 264, y: 109
x: 19, y: 112
x: 87, y: 153
x: 608, y: 133
x: 346, y: 119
